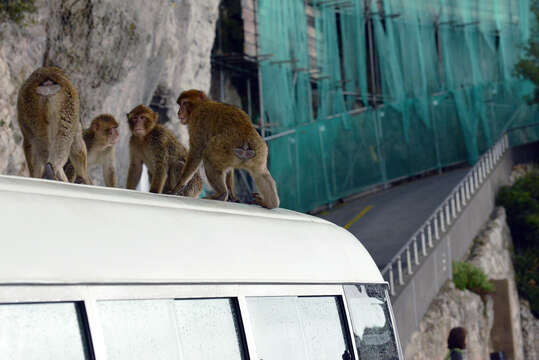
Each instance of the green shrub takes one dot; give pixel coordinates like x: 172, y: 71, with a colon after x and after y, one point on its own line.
x: 527, y: 276
x: 467, y: 276
x: 521, y: 202
x: 15, y: 10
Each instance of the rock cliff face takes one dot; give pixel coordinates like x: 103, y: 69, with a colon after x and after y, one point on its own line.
x: 453, y: 307
x: 118, y: 54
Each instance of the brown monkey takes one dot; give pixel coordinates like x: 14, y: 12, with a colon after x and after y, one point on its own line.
x: 48, y: 115
x: 156, y: 146
x: 223, y: 137
x: 100, y: 139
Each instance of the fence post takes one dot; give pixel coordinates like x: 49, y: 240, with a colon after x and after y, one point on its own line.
x: 391, y: 282
x: 447, y: 213
x: 463, y: 194
x: 442, y: 220
x: 453, y: 205
x: 480, y: 171
x: 429, y: 234
x: 458, y: 195
x: 399, y: 270
x: 409, y: 259
x: 423, y: 242
x: 416, y: 252
x: 436, y: 232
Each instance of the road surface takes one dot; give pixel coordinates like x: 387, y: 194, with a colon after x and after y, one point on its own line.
x: 384, y: 221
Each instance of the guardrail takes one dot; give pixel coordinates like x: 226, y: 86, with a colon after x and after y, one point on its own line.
x: 417, y: 248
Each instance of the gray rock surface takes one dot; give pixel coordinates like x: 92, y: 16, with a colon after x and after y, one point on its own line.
x: 530, y: 331
x: 453, y: 307
x: 117, y: 53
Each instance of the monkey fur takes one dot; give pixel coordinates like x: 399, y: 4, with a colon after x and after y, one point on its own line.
x: 48, y: 115
x: 156, y: 147
x: 222, y: 137
x: 100, y: 139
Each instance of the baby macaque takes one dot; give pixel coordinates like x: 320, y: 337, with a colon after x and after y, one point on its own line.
x: 156, y: 147
x: 100, y: 139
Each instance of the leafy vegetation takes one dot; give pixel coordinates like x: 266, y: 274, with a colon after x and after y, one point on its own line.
x: 16, y: 10
x: 467, y: 276
x: 528, y: 67
x: 521, y: 202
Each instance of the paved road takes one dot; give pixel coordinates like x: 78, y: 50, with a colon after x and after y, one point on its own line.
x: 386, y: 220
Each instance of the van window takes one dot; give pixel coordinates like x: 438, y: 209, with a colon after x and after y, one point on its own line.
x: 171, y: 329
x: 42, y: 331
x: 209, y: 329
x: 371, y: 322
x: 302, y: 328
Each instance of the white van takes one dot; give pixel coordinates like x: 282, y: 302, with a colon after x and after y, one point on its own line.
x: 97, y: 273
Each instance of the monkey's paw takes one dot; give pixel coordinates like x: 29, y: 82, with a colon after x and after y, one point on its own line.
x: 180, y: 190
x: 258, y: 200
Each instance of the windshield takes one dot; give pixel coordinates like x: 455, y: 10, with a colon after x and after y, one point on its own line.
x: 371, y: 322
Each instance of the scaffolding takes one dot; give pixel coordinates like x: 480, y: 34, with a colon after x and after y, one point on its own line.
x: 393, y: 88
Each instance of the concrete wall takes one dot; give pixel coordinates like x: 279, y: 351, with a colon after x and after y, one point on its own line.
x: 414, y: 299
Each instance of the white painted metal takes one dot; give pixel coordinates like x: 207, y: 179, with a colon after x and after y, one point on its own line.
x: 416, y: 252
x: 58, y: 233
x: 399, y: 269
x: 409, y: 260
x: 423, y: 242
x: 429, y: 232
x: 391, y: 281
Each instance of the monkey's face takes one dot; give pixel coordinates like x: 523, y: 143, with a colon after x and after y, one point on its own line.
x: 141, y: 124
x: 111, y: 135
x: 183, y: 111
x: 105, y: 128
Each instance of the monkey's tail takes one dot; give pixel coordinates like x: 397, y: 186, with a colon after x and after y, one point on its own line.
x: 244, y: 152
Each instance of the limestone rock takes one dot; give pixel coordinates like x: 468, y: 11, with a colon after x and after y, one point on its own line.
x: 117, y: 53
x: 530, y: 331
x: 491, y: 253
x: 452, y: 307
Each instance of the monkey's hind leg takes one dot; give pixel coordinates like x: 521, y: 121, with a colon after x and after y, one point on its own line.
x: 60, y: 138
x: 193, y: 188
x: 77, y: 157
x: 27, y: 147
x: 216, y: 178
x: 230, y: 186
x: 268, y: 196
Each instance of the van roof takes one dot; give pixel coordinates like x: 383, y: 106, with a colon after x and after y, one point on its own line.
x: 63, y: 233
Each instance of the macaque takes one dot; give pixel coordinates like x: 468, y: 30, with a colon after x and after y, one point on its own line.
x: 223, y: 138
x: 100, y: 139
x: 48, y: 115
x: 156, y: 147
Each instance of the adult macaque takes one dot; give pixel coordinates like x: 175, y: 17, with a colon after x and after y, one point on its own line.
x: 223, y: 137
x: 48, y: 115
x: 100, y: 139
x: 156, y: 147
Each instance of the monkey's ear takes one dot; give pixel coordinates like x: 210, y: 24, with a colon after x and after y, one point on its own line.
x: 127, y: 116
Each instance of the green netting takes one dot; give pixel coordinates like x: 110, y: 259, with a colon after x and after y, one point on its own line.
x: 393, y: 88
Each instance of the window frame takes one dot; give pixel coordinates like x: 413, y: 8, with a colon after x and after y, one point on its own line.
x: 89, y: 294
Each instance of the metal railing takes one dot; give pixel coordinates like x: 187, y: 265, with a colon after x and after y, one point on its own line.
x: 417, y: 248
